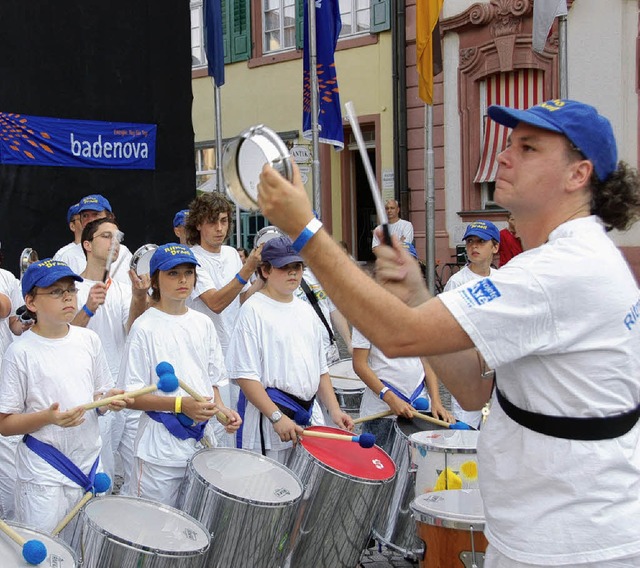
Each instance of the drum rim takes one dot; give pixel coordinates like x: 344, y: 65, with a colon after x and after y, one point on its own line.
x: 435, y: 518
x: 446, y: 523
x: 413, y: 443
x: 138, y: 547
x: 265, y: 504
x: 48, y: 536
x: 135, y: 258
x: 265, y: 231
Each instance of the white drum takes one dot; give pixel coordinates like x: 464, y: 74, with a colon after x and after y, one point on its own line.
x: 123, y: 532
x: 347, y: 386
x: 451, y: 523
x: 141, y: 259
x: 444, y: 459
x: 58, y: 552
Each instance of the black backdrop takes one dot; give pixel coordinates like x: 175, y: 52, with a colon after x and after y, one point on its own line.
x: 115, y: 60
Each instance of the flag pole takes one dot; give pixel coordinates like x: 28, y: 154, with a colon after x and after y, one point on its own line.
x: 313, y: 74
x: 562, y: 57
x: 430, y: 199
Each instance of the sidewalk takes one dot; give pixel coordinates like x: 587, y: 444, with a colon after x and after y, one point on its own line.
x: 372, y: 558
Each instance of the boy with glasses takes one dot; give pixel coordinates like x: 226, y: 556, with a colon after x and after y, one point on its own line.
x: 47, y: 375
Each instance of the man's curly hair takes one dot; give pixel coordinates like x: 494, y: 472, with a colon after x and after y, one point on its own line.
x: 206, y: 208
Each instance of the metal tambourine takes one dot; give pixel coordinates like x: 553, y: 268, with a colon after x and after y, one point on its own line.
x: 266, y: 234
x: 27, y: 257
x: 243, y: 160
x: 141, y: 259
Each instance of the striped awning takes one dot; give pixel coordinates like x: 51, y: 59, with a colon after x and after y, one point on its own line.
x: 520, y: 89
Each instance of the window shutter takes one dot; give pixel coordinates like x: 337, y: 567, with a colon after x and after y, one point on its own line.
x: 380, y: 15
x: 226, y: 26
x: 240, y: 30
x: 300, y: 23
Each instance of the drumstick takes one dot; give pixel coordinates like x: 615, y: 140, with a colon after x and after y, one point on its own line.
x: 166, y: 383
x: 101, y: 484
x: 344, y: 377
x: 33, y: 551
x: 365, y: 440
x: 373, y: 417
x: 112, y: 249
x: 455, y: 426
x: 373, y: 184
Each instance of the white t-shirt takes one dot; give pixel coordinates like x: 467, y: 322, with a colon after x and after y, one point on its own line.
x: 403, y: 373
x: 36, y: 372
x: 401, y: 229
x: 110, y: 319
x: 216, y: 270
x: 463, y: 276
x: 74, y: 256
x: 280, y: 345
x: 560, y: 326
x: 9, y: 286
x: 190, y: 344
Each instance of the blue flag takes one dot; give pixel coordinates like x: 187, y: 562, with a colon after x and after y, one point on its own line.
x: 41, y: 141
x: 328, y: 26
x: 213, y: 41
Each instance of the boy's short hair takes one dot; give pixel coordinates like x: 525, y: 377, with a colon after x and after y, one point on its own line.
x: 44, y: 273
x: 482, y: 229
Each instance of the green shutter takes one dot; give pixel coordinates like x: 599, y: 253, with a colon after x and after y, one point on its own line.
x: 226, y: 26
x: 380, y: 15
x: 240, y: 26
x: 300, y: 23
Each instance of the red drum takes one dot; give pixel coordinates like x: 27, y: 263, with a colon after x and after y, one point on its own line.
x: 450, y: 523
x: 345, y: 485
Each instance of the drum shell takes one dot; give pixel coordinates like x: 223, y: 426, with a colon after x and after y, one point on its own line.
x: 58, y: 552
x: 100, y: 548
x: 395, y: 525
x: 337, y: 512
x: 243, y: 532
x: 348, y: 391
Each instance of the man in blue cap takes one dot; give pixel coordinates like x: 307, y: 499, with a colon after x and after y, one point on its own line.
x: 559, y: 456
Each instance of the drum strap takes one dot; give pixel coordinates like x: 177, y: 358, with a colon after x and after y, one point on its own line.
x: 176, y: 427
x: 414, y: 396
x: 58, y: 461
x: 316, y: 306
x: 592, y: 428
x: 292, y: 406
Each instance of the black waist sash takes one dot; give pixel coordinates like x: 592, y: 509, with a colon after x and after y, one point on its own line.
x: 591, y: 428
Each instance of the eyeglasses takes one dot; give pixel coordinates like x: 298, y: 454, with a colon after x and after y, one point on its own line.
x: 58, y: 293
x: 119, y: 235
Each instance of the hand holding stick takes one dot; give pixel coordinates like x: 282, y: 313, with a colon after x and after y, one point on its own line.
x: 365, y: 440
x: 166, y: 383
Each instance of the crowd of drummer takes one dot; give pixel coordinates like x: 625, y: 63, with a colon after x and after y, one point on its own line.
x: 250, y: 346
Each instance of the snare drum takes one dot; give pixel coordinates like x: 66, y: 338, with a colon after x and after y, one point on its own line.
x: 58, y: 553
x: 141, y: 259
x: 394, y: 525
x: 247, y: 501
x: 347, y: 386
x: 451, y: 523
x: 446, y: 459
x: 127, y: 531
x: 345, y: 485
x: 266, y: 234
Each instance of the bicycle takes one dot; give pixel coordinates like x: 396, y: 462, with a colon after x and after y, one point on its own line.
x: 445, y: 271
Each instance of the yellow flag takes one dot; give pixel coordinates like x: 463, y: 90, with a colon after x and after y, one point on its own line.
x: 427, y: 14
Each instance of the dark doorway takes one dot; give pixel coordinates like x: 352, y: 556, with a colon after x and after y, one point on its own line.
x: 365, y: 214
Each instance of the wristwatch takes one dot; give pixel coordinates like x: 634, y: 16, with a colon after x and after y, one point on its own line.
x: 275, y: 417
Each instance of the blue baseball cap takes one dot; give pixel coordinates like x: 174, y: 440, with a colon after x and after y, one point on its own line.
x: 587, y: 130
x: 45, y: 273
x: 484, y: 230
x: 170, y: 255
x: 72, y: 212
x: 279, y: 252
x: 180, y: 218
x: 94, y: 203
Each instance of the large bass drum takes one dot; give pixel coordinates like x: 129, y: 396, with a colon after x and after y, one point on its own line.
x: 247, y: 501
x: 127, y: 532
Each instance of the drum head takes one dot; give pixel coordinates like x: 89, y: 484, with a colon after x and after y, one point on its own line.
x: 457, y: 509
x: 341, y: 369
x: 58, y: 553
x: 459, y: 441
x: 247, y: 476
x: 146, y: 525
x: 409, y: 426
x: 141, y: 259
x: 27, y: 257
x: 266, y: 234
x: 244, y: 158
x: 349, y: 457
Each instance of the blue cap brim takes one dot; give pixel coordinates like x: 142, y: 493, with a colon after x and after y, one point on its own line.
x: 172, y: 263
x: 511, y: 117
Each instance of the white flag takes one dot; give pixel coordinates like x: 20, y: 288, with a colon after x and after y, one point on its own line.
x: 544, y: 12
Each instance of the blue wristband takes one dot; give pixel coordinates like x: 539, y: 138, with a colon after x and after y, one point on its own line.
x: 240, y: 279
x: 88, y: 311
x: 311, y: 229
x: 384, y: 391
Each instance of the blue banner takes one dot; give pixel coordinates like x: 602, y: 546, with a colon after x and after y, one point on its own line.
x: 213, y: 44
x: 40, y: 141
x: 328, y: 26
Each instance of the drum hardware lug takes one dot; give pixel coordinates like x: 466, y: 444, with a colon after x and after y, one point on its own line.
x: 467, y: 559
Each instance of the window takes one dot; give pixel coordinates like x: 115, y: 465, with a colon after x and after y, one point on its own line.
x: 278, y: 25
x: 356, y: 17
x: 206, y: 169
x: 198, y: 57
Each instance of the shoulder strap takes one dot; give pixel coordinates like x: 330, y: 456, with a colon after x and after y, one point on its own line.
x: 314, y: 302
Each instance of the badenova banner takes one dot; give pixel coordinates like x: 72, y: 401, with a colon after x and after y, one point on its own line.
x: 40, y: 141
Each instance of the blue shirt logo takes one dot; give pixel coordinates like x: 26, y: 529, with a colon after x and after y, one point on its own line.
x: 481, y: 292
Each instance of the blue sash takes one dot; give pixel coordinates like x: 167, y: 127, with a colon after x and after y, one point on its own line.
x: 414, y: 396
x: 177, y: 428
x: 302, y: 415
x: 57, y: 460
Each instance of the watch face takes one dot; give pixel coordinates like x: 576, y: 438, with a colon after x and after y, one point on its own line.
x: 276, y: 416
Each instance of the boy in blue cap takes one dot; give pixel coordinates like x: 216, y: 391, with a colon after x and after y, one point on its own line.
x: 47, y: 375
x: 170, y: 331
x: 179, y: 222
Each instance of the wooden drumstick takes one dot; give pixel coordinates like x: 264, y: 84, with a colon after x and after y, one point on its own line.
x: 193, y: 394
x: 166, y: 383
x: 373, y: 417
x: 344, y: 377
x: 33, y: 551
x: 454, y: 426
x: 365, y: 440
